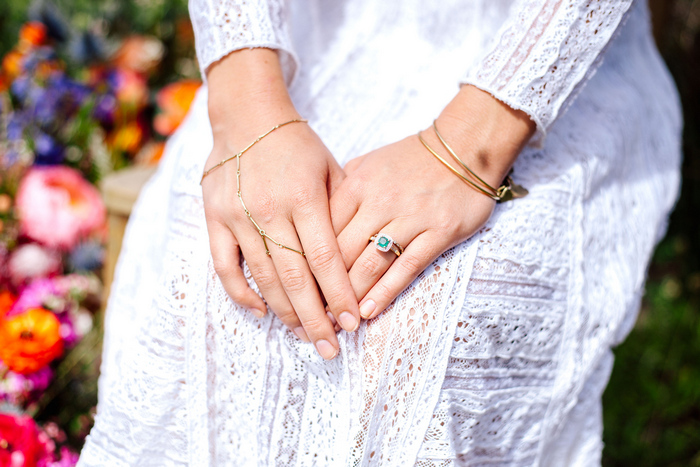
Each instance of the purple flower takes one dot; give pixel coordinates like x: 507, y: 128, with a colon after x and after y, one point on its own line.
x: 36, y: 294
x: 16, y: 125
x: 47, y: 151
x: 105, y: 109
x: 20, y: 87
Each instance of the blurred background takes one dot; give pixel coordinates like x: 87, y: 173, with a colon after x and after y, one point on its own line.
x: 91, y: 86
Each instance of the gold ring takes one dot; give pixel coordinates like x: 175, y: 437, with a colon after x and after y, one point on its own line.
x: 384, y: 243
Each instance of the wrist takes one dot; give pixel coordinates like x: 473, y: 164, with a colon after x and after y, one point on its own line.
x: 486, y: 133
x: 247, y: 94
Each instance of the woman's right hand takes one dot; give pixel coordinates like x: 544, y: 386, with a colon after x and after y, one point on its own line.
x: 286, y: 180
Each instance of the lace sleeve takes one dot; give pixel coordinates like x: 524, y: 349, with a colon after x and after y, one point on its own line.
x: 223, y: 26
x: 544, y: 52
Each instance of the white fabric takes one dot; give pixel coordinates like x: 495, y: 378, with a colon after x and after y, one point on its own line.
x: 499, y: 352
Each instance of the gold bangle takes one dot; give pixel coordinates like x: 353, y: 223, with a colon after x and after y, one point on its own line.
x: 455, y: 171
x: 237, y: 156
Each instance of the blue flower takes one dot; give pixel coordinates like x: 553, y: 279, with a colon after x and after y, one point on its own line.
x: 16, y: 125
x: 20, y: 87
x: 87, y: 256
x: 46, y: 150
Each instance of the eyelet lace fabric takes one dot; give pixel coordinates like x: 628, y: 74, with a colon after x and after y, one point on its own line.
x: 499, y: 352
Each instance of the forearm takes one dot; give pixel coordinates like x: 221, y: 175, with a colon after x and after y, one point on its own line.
x: 487, y: 134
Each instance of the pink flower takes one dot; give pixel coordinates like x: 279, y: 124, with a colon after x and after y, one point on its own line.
x: 17, y: 389
x: 30, y: 261
x: 19, y: 441
x: 39, y: 293
x: 58, y: 207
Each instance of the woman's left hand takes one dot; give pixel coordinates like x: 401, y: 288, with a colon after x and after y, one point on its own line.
x: 402, y: 191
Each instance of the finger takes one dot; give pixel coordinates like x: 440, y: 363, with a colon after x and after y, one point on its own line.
x: 225, y: 255
x: 353, y: 239
x: 300, y: 286
x: 353, y: 164
x: 343, y: 206
x: 336, y: 175
x: 326, y: 263
x: 373, y: 262
x: 416, y: 257
x: 263, y: 270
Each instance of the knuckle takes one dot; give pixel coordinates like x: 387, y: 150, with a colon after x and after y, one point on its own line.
x: 410, y: 264
x: 293, y: 279
x: 370, y: 266
x: 314, y: 325
x: 383, y: 291
x: 323, y: 257
x: 222, y: 267
x: 265, y: 278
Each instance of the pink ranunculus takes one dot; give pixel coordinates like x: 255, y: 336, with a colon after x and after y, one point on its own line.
x: 20, y: 441
x: 58, y: 207
x: 39, y: 293
x: 31, y: 261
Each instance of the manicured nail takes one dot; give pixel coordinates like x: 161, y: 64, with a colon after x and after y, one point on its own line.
x: 367, y: 308
x: 331, y: 317
x: 348, y: 321
x: 325, y: 349
x: 301, y: 334
x: 256, y: 312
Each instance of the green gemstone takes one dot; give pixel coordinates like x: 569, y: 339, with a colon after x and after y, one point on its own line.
x: 383, y: 242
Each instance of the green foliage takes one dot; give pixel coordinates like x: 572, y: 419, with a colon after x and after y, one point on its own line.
x: 651, y: 407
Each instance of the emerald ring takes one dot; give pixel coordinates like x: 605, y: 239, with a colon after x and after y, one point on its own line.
x: 384, y: 243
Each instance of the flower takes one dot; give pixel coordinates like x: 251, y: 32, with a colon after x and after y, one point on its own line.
x: 130, y: 88
x: 174, y: 101
x: 139, y: 53
x: 47, y: 150
x: 150, y: 153
x: 19, y: 441
x: 127, y: 138
x: 40, y: 293
x: 57, y: 206
x: 87, y: 256
x: 32, y: 34
x: 17, y: 389
x: 7, y: 300
x: 30, y: 340
x: 30, y: 261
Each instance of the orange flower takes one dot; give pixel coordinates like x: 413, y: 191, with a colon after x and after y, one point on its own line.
x: 174, y: 101
x: 150, y: 153
x: 127, y: 138
x: 30, y: 340
x: 12, y: 64
x: 6, y: 301
x: 32, y: 34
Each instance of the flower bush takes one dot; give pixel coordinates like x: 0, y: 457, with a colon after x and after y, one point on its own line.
x: 69, y: 114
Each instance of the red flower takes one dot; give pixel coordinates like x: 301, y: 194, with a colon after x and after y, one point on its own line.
x: 19, y: 442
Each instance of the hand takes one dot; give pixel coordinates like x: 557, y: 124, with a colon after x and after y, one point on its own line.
x: 285, y: 183
x: 401, y: 190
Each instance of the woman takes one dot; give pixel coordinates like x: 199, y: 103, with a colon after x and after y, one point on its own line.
x: 484, y: 336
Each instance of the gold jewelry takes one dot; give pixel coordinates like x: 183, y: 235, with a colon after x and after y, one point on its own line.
x: 505, y: 192
x: 384, y: 243
x: 455, y: 171
x: 237, y: 156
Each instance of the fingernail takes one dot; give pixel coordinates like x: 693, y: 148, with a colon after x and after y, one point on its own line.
x: 367, y: 308
x: 331, y: 317
x: 256, y: 312
x: 301, y: 334
x: 348, y: 321
x: 325, y: 349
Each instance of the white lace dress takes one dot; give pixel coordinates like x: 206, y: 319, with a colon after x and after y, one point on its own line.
x: 499, y: 352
